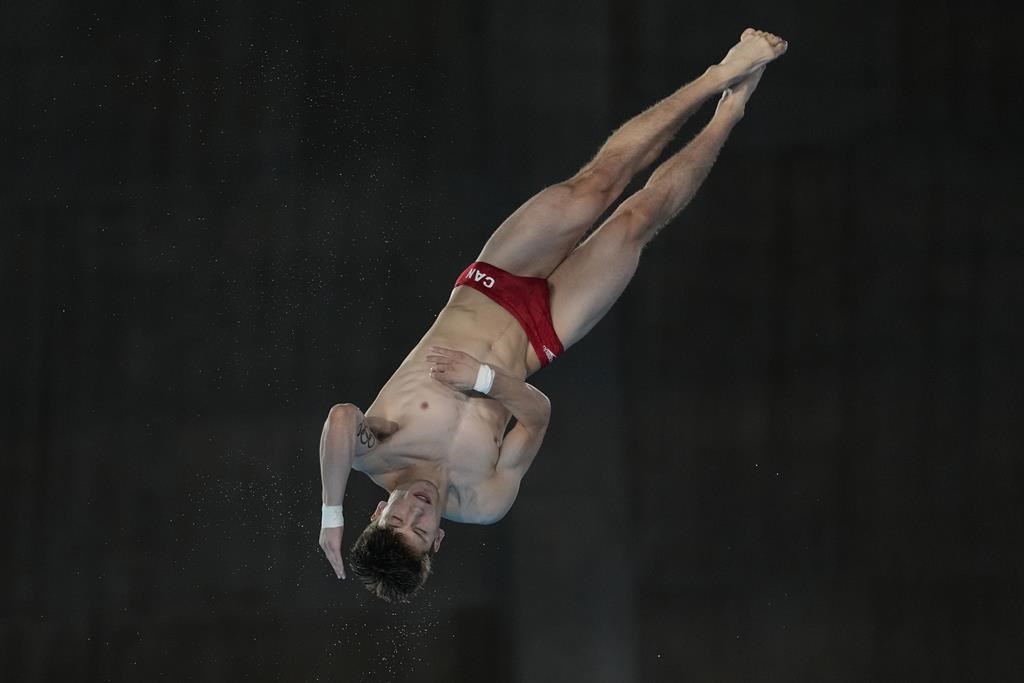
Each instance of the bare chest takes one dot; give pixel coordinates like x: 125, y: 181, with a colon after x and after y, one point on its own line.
x: 437, y: 428
x: 442, y: 428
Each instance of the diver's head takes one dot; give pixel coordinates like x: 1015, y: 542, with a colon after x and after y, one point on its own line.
x: 392, y: 556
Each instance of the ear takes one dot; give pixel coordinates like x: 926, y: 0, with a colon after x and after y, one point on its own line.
x: 380, y: 508
x: 440, y: 537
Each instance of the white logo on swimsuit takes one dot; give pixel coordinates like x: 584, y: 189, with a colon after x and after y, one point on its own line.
x: 548, y: 353
x: 483, y: 278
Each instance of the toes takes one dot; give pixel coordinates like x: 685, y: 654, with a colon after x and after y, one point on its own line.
x: 777, y: 44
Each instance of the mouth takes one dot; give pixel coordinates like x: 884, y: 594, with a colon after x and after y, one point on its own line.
x: 422, y: 496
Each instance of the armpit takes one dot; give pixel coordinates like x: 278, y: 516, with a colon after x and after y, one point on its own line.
x: 377, y: 427
x: 365, y: 435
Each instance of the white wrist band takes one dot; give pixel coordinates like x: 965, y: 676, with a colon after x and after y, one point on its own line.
x: 331, y: 517
x: 484, y: 379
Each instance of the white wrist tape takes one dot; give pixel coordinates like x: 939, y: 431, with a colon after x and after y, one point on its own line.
x: 484, y: 379
x: 331, y: 517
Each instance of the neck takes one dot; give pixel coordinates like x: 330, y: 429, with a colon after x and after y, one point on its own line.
x: 432, y: 472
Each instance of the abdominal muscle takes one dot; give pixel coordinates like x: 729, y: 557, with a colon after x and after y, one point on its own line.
x: 460, y: 432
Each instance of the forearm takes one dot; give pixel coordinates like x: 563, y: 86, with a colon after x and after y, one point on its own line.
x: 528, y: 405
x: 338, y: 443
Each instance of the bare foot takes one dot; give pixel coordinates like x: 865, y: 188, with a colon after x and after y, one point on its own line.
x: 734, y: 99
x: 753, y: 52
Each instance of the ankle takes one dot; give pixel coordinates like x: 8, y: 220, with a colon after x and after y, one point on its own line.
x: 731, y: 109
x: 719, y: 77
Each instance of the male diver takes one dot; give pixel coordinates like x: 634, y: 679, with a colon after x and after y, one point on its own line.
x: 435, y: 437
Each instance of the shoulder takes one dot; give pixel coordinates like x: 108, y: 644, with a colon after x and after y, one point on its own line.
x: 346, y: 420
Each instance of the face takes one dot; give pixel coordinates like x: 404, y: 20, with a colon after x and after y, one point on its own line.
x: 412, y: 513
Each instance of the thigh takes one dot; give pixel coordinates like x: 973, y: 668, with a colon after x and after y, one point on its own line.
x: 544, y: 230
x: 592, y: 278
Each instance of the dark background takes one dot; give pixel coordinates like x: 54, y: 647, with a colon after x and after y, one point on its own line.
x: 792, y: 452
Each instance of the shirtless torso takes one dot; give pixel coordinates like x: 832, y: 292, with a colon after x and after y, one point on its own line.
x: 417, y: 419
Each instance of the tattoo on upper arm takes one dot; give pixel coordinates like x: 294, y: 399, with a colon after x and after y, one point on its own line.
x: 365, y: 436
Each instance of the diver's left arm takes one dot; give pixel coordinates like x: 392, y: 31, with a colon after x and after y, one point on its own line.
x: 496, y: 494
x: 458, y: 370
x: 531, y: 408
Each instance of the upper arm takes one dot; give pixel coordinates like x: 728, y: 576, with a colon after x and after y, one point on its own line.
x: 346, y: 421
x: 519, y: 449
x: 493, y: 498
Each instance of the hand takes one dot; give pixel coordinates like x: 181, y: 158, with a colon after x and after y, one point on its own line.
x: 330, y: 541
x: 453, y: 368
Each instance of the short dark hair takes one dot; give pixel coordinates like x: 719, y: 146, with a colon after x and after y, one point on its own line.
x: 388, y: 568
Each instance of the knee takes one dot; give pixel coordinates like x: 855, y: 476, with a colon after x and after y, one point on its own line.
x: 640, y: 216
x: 603, y: 179
x: 575, y: 202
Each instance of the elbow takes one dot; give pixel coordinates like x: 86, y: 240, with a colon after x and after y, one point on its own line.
x: 342, y: 416
x: 543, y: 413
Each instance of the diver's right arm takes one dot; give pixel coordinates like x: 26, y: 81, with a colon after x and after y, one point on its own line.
x: 345, y: 436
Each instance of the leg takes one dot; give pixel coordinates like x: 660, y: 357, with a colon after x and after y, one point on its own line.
x: 542, y: 232
x: 591, y: 279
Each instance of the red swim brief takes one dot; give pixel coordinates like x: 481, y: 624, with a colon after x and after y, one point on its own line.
x: 526, y: 298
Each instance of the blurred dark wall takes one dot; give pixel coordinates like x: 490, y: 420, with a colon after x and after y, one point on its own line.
x: 791, y: 452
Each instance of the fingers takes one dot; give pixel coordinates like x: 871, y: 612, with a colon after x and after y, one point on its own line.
x: 333, y: 554
x: 440, y: 375
x: 450, y: 355
x: 439, y: 366
x: 334, y: 557
x: 339, y: 567
x: 451, y: 368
